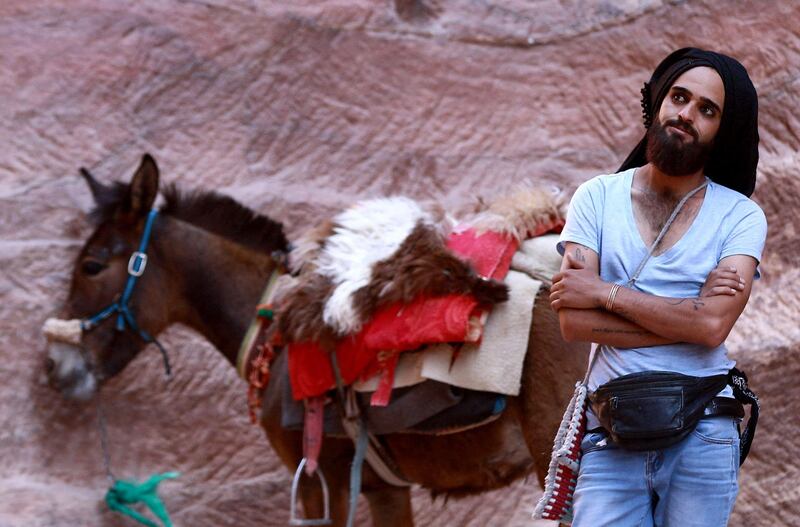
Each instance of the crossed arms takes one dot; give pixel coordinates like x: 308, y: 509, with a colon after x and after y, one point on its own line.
x: 638, y: 319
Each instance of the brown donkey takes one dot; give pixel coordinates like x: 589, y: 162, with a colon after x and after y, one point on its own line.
x: 209, y: 259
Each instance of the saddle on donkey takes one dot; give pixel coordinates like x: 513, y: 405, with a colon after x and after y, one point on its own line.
x: 390, y: 275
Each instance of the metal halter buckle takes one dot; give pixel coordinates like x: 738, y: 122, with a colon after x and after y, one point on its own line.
x: 326, y: 500
x: 137, y: 264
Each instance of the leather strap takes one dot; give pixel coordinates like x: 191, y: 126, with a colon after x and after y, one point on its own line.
x: 352, y: 421
x: 312, y: 432
x: 718, y: 406
x: 738, y: 381
x: 724, y: 406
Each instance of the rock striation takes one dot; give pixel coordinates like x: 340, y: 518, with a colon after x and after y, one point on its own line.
x: 300, y: 108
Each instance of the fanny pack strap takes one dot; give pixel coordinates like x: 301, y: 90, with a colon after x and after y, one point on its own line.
x: 737, y: 379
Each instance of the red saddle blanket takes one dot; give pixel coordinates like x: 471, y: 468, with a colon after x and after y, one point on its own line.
x: 401, y: 327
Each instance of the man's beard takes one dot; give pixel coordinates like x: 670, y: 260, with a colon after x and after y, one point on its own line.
x: 670, y: 154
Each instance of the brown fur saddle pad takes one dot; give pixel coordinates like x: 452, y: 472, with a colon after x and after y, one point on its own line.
x: 389, y: 250
x: 391, y: 275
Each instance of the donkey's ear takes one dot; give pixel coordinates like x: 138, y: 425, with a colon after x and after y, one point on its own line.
x: 99, y: 191
x: 144, y: 187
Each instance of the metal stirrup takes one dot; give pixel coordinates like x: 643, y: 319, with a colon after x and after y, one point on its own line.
x: 326, y: 499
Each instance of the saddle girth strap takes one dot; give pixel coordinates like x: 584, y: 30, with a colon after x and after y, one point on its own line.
x: 352, y: 420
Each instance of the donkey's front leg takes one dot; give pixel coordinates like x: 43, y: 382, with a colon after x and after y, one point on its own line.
x: 390, y: 506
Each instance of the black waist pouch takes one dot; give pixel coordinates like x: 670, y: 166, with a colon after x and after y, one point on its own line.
x: 654, y: 409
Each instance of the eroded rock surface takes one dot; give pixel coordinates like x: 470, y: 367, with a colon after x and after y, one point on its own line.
x: 300, y: 108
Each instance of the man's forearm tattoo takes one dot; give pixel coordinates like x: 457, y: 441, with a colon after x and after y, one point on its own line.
x: 619, y: 331
x: 696, y: 302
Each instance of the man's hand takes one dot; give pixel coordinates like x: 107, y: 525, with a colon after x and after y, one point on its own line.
x: 577, y: 287
x: 639, y: 319
x: 705, y: 320
x: 724, y: 280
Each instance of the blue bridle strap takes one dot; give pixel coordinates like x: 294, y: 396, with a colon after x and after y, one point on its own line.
x: 125, y: 319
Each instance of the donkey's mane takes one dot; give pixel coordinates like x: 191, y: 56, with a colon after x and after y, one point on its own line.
x: 208, y: 210
x: 225, y: 216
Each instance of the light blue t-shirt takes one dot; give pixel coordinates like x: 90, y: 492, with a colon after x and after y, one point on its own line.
x: 601, y: 218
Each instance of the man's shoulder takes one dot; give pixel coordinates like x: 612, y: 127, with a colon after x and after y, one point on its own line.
x: 735, y: 202
x: 613, y: 178
x: 605, y: 182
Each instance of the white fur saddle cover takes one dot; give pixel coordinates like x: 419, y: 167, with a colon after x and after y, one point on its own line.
x: 389, y: 250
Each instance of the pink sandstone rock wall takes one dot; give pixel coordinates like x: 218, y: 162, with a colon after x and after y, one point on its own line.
x: 298, y: 109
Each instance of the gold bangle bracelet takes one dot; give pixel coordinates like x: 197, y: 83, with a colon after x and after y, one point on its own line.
x: 611, y: 296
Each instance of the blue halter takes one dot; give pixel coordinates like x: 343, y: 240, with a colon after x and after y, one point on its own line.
x: 125, y: 319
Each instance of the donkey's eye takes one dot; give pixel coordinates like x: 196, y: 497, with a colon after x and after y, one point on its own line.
x: 92, y: 267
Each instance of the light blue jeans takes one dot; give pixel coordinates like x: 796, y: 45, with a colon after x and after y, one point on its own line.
x: 691, y: 483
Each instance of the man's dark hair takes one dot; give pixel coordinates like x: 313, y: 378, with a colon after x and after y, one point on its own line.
x: 734, y: 156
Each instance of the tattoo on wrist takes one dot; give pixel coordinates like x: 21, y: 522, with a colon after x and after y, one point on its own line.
x: 696, y: 302
x: 619, y: 331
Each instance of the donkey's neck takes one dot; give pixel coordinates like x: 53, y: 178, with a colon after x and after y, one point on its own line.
x: 217, y: 283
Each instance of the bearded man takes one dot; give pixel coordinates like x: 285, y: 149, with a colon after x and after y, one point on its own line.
x: 659, y: 260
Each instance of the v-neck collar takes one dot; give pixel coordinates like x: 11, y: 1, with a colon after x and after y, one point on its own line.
x: 635, y: 228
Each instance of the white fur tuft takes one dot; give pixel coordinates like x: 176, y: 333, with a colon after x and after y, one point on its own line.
x: 364, y: 234
x: 519, y: 213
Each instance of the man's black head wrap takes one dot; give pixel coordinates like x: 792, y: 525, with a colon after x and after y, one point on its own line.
x: 734, y: 157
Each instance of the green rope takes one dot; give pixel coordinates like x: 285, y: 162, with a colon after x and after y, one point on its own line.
x: 265, y: 313
x: 124, y: 493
